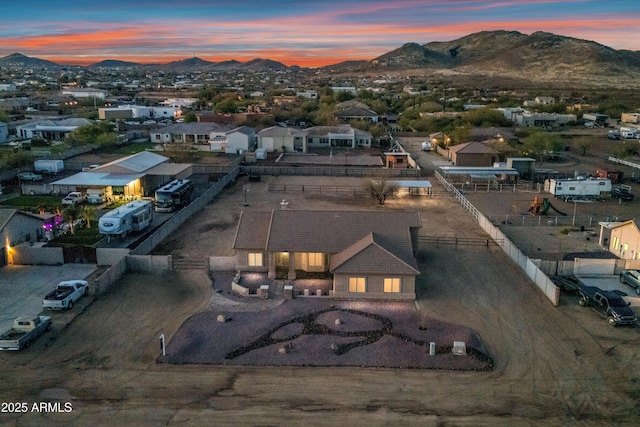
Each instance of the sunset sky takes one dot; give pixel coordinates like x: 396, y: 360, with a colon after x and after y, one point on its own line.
x: 306, y: 33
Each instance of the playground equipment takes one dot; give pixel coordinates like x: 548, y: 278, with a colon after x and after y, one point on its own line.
x: 541, y: 206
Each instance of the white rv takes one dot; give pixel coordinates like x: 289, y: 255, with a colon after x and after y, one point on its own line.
x: 134, y: 216
x: 578, y: 188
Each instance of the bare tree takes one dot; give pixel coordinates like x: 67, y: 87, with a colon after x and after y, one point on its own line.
x: 381, y: 188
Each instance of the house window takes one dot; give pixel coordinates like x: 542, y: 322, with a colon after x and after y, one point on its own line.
x: 625, y: 247
x: 315, y: 259
x: 392, y: 284
x: 357, y: 284
x: 254, y: 259
x: 615, y: 243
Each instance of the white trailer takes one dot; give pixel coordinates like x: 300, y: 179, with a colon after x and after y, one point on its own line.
x: 134, y: 216
x: 578, y: 188
x: 48, y: 166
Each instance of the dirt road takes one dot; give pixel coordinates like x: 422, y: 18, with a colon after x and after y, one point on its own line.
x: 553, y: 366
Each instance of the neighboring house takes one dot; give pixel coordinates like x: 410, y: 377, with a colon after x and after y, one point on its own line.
x: 138, y: 112
x: 131, y: 177
x: 624, y: 241
x: 473, y: 154
x: 545, y: 100
x: 50, y: 130
x: 242, y: 138
x: 256, y: 94
x: 397, y: 160
x: 309, y: 94
x: 368, y: 254
x: 337, y: 136
x: 85, y: 92
x: 278, y: 138
x: 194, y: 133
x: 357, y: 113
x: 18, y: 227
x: 527, y: 118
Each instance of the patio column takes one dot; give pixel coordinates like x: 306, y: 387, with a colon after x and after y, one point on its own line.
x: 292, y: 266
x: 272, y: 266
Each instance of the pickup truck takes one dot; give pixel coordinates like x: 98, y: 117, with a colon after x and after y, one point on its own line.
x: 631, y: 278
x: 65, y: 294
x: 609, y: 304
x: 25, y: 329
x: 74, y: 198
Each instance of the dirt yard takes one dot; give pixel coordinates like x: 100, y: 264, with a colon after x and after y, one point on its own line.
x: 552, y: 366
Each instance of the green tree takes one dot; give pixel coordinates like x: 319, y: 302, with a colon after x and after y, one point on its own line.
x: 539, y: 144
x: 70, y: 214
x: 88, y: 213
x: 190, y: 117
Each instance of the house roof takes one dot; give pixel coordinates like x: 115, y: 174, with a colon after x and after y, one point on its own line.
x: 472, y: 148
x: 99, y: 179
x: 7, y: 214
x: 625, y: 223
x: 193, y: 128
x: 138, y: 162
x: 252, y: 231
x: 278, y: 131
x: 246, y: 130
x: 370, y: 254
x: 356, y: 111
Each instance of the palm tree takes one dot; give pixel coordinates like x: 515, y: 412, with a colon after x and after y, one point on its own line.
x: 88, y: 213
x: 70, y: 214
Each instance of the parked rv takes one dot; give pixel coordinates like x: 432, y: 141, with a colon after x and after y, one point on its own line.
x: 578, y: 188
x: 173, y: 195
x: 134, y: 216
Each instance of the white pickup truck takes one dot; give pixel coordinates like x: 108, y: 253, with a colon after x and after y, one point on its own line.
x: 74, y: 198
x: 65, y: 294
x: 25, y: 329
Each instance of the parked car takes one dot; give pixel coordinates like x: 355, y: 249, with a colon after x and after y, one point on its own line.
x: 30, y: 176
x: 65, y: 294
x: 25, y: 329
x: 609, y: 304
x: 74, y: 198
x: 622, y: 192
x: 631, y: 278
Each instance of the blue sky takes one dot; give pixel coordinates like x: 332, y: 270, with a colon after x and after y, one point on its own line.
x: 306, y: 33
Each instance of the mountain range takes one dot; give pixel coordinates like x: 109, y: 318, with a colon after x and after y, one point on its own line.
x: 488, y: 56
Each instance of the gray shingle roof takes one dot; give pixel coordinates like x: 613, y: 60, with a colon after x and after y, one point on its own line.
x: 369, y: 240
x: 252, y: 231
x: 370, y: 255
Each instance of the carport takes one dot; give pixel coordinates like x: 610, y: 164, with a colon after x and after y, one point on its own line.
x: 413, y: 187
x: 471, y: 173
x: 125, y: 185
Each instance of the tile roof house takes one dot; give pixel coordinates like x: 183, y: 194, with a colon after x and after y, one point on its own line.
x: 369, y: 254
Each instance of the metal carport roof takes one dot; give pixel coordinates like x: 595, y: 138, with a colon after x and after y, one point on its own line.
x: 98, y: 179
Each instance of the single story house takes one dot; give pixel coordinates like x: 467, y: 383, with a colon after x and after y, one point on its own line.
x: 194, y: 133
x: 368, y: 254
x: 242, y: 138
x: 278, y: 138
